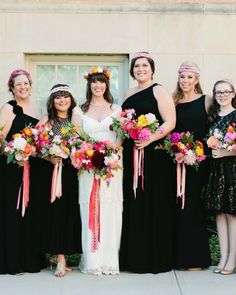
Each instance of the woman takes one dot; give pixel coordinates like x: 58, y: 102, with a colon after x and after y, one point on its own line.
x: 17, y: 243
x: 95, y: 117
x: 191, y: 241
x: 62, y: 220
x: 146, y: 243
x: 220, y: 192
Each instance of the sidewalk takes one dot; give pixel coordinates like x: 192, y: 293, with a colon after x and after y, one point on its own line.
x: 75, y: 283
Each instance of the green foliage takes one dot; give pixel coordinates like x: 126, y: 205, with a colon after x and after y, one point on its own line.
x: 215, y: 249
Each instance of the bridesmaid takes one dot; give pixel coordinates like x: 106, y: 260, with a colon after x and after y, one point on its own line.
x: 62, y: 229
x: 220, y: 192
x: 191, y: 241
x: 146, y: 244
x: 18, y: 252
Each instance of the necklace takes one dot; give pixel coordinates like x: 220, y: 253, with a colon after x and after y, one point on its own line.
x: 98, y: 105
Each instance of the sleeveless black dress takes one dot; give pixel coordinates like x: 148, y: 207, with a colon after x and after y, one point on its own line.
x: 191, y: 239
x: 147, y: 233
x: 17, y: 245
x: 220, y: 191
x: 60, y: 221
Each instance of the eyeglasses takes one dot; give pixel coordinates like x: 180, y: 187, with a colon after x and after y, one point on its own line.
x: 224, y: 93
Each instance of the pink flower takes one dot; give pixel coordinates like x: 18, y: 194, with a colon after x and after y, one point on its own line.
x: 213, y: 142
x: 134, y: 133
x: 179, y: 157
x: 145, y: 134
x: 175, y: 137
x: 190, y: 158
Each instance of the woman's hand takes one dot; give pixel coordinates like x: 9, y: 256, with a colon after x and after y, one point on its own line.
x: 142, y: 144
x: 220, y: 153
x: 53, y: 160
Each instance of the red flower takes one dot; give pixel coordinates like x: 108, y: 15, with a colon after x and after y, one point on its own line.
x: 98, y: 160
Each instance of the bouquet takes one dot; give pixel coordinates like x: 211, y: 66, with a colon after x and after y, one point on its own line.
x: 185, y: 151
x: 101, y: 158
x: 19, y: 149
x: 223, y: 140
x: 138, y: 129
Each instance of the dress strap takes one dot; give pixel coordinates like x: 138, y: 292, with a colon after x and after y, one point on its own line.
x: 16, y: 108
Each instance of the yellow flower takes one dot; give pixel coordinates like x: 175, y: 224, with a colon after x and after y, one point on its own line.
x: 142, y: 121
x: 63, y: 130
x: 16, y: 135
x: 89, y: 153
x: 199, y: 151
x: 104, y: 177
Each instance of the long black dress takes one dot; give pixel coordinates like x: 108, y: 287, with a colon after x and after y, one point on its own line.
x: 147, y: 233
x: 60, y: 221
x: 191, y: 240
x: 18, y: 251
x: 220, y: 191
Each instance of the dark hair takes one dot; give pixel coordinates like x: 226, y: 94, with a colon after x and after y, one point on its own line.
x: 133, y: 61
x: 52, y: 112
x: 107, y: 95
x: 215, y: 107
x: 14, y: 74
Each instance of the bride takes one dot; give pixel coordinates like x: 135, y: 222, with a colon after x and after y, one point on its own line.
x: 95, y: 117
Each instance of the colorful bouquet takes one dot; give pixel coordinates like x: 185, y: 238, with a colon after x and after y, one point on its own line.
x: 22, y: 146
x: 183, y: 148
x: 185, y: 151
x: 223, y: 140
x: 101, y: 158
x: 19, y: 149
x: 138, y: 129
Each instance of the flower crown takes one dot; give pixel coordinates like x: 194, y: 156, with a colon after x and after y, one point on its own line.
x: 97, y: 70
x: 16, y: 73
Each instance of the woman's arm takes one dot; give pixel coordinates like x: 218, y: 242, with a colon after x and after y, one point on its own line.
x: 6, y: 118
x: 166, y: 108
x: 220, y: 153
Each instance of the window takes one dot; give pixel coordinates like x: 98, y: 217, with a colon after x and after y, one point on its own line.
x: 48, y: 70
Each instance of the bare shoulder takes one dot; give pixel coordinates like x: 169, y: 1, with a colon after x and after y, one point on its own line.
x: 130, y: 92
x: 6, y: 107
x: 160, y: 92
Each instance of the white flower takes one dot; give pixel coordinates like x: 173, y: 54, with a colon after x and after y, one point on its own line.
x: 150, y: 118
x: 217, y: 133
x: 19, y: 143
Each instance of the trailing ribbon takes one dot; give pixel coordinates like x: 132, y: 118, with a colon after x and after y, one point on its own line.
x: 94, y: 213
x: 181, y: 180
x: 26, y: 187
x: 138, y: 159
x: 56, y: 186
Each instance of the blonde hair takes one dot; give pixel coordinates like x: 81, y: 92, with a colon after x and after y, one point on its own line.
x: 192, y: 67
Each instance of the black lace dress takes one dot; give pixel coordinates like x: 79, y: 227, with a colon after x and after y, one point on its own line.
x: 59, y: 221
x: 18, y: 235
x: 147, y: 232
x: 220, y: 191
x: 191, y: 240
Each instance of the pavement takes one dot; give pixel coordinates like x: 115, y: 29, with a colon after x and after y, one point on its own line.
x: 75, y: 283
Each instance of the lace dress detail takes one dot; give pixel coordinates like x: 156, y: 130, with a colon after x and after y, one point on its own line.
x: 220, y: 190
x: 105, y: 259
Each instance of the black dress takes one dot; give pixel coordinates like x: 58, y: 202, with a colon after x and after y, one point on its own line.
x: 147, y: 233
x: 18, y: 251
x: 191, y: 239
x: 60, y: 220
x: 220, y: 191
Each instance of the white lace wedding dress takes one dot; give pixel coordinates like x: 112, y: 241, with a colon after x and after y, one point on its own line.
x: 105, y: 259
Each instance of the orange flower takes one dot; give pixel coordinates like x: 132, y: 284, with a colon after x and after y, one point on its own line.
x: 230, y: 129
x: 16, y: 135
x: 27, y: 131
x: 65, y: 149
x: 28, y: 149
x: 199, y: 151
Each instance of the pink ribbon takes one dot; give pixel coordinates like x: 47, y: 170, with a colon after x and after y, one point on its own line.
x: 94, y: 213
x: 26, y: 188
x: 181, y: 180
x: 138, y: 159
x: 56, y: 186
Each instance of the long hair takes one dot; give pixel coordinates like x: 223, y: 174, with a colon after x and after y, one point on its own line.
x: 107, y: 95
x: 51, y: 110
x: 178, y: 93
x: 215, y: 107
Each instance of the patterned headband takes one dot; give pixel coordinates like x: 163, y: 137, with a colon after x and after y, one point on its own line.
x: 142, y: 54
x: 60, y: 88
x: 192, y: 69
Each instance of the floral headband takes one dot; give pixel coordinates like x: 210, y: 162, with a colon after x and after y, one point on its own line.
x: 186, y: 68
x: 97, y: 70
x: 16, y: 73
x: 142, y: 54
x: 60, y: 88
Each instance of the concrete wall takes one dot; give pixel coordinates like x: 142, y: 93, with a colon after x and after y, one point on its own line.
x: 173, y: 32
